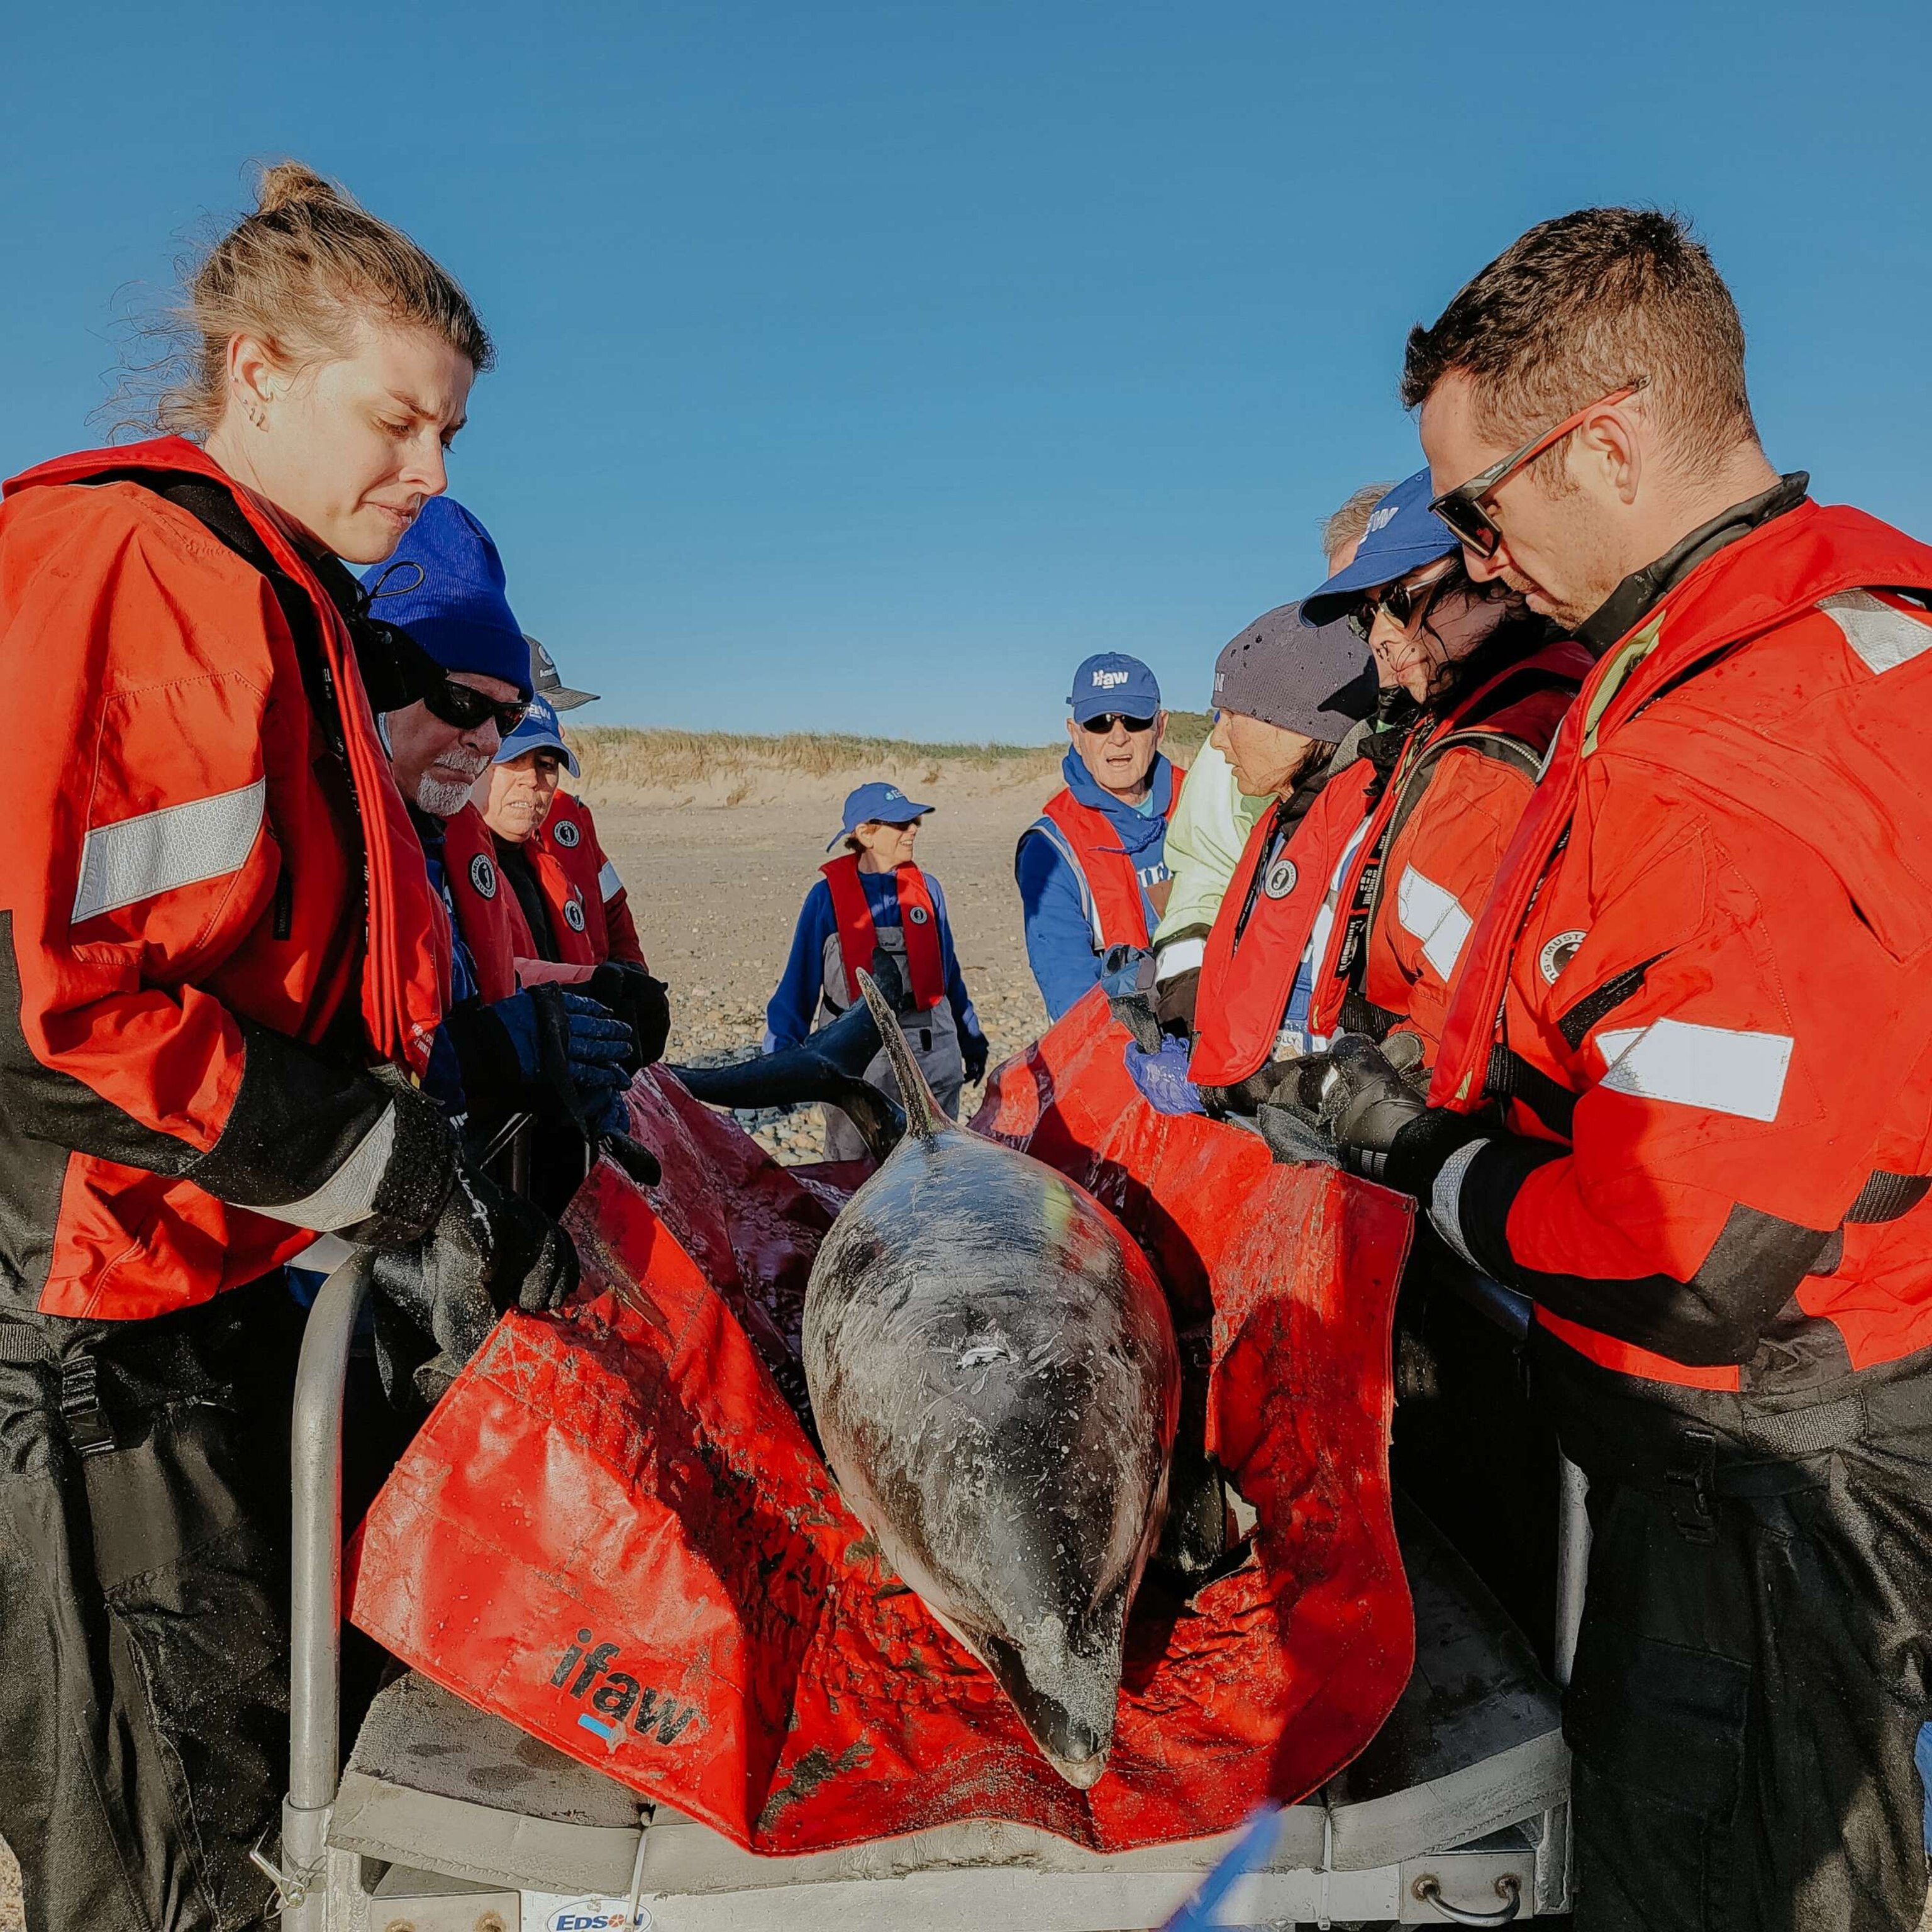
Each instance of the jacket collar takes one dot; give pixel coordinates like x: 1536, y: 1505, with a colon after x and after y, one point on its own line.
x: 1634, y: 597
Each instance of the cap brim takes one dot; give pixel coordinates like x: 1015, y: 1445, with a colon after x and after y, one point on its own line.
x: 564, y: 699
x: 1346, y: 588
x: 514, y: 747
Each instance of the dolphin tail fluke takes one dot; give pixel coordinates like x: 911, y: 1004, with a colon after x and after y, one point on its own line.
x: 924, y: 1120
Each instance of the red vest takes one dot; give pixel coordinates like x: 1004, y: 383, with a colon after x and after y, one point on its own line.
x: 1116, y: 907
x: 858, y: 938
x: 1521, y: 705
x: 573, y: 872
x: 1263, y: 928
x: 488, y: 915
x: 1711, y: 928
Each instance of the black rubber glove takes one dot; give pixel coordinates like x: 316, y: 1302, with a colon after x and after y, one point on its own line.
x: 642, y: 1003
x: 487, y: 1253
x: 974, y: 1051
x: 1382, y: 1127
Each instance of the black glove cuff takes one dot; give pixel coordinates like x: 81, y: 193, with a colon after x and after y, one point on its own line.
x: 1417, y: 1155
x: 421, y: 1169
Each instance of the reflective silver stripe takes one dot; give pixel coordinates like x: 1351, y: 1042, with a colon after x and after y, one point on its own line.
x: 349, y: 1195
x: 1445, y: 1197
x: 1882, y: 635
x: 1723, y: 1071
x: 1434, y: 915
x: 161, y: 851
x: 608, y: 884
x: 1178, y: 955
x: 1057, y: 840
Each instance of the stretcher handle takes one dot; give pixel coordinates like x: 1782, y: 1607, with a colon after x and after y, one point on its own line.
x: 315, y: 1617
x: 1428, y: 1890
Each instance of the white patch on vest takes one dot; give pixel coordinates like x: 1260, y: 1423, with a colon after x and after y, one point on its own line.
x: 162, y: 851
x: 483, y: 876
x: 1883, y: 637
x: 1558, y: 953
x: 573, y: 913
x: 1722, y: 1071
x: 566, y: 833
x: 608, y: 884
x: 1280, y: 880
x: 1432, y: 914
x: 349, y: 1195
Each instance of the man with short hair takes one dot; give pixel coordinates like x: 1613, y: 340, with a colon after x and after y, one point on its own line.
x: 1683, y: 1094
x: 1092, y: 868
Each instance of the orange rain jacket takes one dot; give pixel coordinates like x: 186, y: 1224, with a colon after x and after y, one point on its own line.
x: 1700, y: 987
x: 213, y: 912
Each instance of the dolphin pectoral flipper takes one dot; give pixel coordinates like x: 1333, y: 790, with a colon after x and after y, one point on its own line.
x: 924, y: 1120
x: 826, y: 1066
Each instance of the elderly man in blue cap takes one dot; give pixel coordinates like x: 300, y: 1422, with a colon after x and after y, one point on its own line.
x: 1092, y: 868
x: 445, y: 589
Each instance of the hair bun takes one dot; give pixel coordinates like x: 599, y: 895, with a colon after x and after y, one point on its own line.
x: 290, y: 182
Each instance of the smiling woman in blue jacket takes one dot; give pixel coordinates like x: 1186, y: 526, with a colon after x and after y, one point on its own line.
x: 1092, y: 868
x: 873, y: 899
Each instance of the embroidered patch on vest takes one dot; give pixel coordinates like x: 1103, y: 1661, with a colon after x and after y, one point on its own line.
x: 917, y: 914
x: 1280, y: 879
x: 1558, y: 953
x: 573, y: 913
x: 483, y: 877
x: 567, y: 834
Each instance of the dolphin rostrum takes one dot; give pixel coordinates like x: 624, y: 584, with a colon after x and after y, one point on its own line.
x: 994, y: 1374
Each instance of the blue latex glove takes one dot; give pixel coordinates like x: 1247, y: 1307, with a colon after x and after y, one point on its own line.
x: 1162, y: 1078
x: 596, y: 1045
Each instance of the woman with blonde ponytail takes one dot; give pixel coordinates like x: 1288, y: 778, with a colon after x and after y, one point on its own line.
x: 221, y: 972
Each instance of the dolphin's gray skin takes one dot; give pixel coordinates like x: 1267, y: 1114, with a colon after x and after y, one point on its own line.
x: 825, y: 1067
x: 995, y: 1377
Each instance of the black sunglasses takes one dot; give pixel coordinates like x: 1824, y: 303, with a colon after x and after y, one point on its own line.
x: 1462, y: 508
x: 466, y: 707
x: 1402, y: 602
x: 1107, y: 720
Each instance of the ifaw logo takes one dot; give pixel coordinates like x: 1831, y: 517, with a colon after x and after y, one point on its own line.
x: 1381, y: 519
x: 619, y: 1697
x: 1106, y: 680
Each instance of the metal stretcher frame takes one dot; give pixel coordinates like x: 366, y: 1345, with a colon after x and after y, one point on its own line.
x: 321, y: 1888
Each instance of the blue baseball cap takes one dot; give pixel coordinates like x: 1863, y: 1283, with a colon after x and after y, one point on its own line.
x: 876, y: 803
x: 1404, y: 533
x: 537, y: 732
x: 1112, y: 681
x: 444, y: 585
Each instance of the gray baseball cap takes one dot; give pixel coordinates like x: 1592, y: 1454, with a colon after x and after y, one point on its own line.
x: 1287, y: 673
x: 546, y: 682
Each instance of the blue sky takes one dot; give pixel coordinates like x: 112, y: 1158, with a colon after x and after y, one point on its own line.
x: 863, y: 366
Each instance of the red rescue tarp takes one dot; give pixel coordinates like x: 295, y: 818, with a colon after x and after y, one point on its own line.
x: 614, y: 1532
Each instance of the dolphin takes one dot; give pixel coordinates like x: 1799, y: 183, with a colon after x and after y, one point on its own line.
x: 994, y: 1377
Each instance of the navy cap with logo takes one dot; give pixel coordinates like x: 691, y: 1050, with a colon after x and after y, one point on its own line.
x: 876, y: 803
x: 1112, y: 681
x: 1404, y: 533
x: 539, y: 731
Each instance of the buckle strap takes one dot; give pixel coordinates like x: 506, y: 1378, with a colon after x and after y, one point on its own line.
x: 88, y: 1427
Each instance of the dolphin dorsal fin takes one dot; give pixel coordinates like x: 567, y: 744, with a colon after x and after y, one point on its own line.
x: 924, y: 1121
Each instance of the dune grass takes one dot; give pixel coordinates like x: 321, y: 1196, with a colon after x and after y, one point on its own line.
x: 617, y: 758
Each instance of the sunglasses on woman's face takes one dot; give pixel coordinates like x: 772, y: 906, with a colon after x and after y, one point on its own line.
x: 466, y: 707
x: 1465, y: 508
x: 1401, y: 603
x: 1101, y: 725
